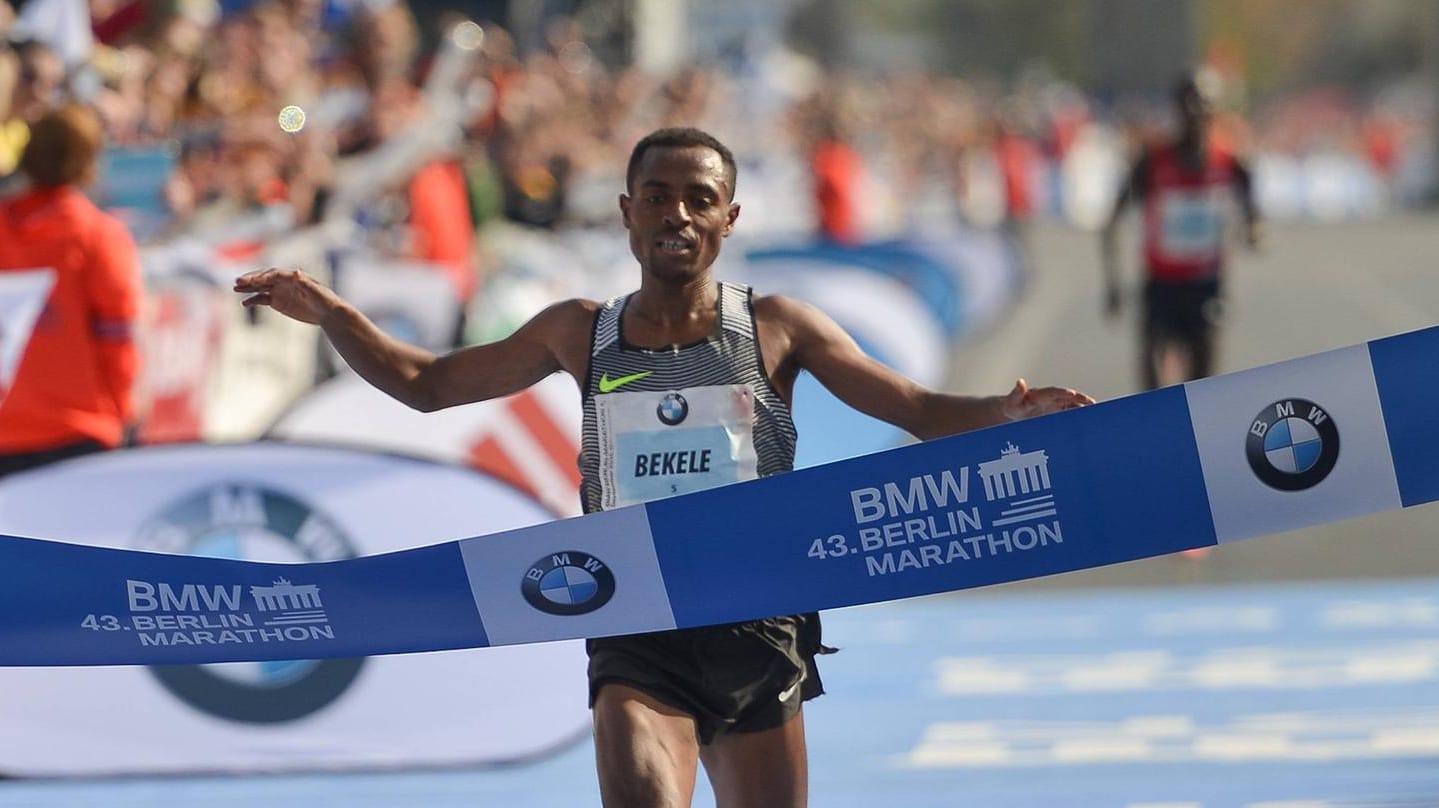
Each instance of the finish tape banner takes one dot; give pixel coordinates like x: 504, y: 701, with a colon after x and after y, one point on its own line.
x: 1312, y: 440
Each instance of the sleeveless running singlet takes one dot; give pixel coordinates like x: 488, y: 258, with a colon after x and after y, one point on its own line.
x: 662, y: 422
x: 1184, y: 214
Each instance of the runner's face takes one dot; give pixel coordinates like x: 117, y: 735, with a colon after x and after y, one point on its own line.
x: 1195, y: 111
x: 680, y: 212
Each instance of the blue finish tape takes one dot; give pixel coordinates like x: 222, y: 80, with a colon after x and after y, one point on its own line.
x: 1311, y: 440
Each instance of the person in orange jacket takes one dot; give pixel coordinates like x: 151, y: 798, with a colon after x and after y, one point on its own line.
x: 73, y: 389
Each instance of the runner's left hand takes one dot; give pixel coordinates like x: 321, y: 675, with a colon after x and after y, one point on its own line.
x: 1254, y: 236
x: 1022, y: 402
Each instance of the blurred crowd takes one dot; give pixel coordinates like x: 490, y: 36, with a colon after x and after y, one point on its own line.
x: 262, y: 111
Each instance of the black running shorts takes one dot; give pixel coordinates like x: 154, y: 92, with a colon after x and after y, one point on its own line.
x: 741, y: 677
x: 1188, y: 310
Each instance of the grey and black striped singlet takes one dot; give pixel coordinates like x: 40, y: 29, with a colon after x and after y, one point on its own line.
x: 728, y: 357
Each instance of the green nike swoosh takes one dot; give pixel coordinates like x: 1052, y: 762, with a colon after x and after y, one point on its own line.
x: 608, y: 385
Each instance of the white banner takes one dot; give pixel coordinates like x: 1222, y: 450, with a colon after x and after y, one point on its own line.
x: 411, y: 300
x: 529, y: 439
x: 279, y: 502
x: 1292, y: 442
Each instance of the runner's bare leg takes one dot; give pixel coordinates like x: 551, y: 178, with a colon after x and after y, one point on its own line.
x: 766, y: 769
x: 646, y: 751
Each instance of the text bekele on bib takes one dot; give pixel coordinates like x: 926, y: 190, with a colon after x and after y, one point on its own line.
x: 660, y: 444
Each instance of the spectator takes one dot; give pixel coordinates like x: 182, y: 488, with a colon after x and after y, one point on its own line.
x: 73, y: 390
x: 838, y: 172
x: 39, y: 78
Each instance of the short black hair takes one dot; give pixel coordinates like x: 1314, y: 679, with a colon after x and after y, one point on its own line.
x: 1201, y: 82
x: 681, y: 137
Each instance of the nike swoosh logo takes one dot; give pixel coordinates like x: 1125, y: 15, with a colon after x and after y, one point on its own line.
x: 789, y: 691
x: 608, y: 385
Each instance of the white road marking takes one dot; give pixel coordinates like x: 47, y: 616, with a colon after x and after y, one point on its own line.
x: 1417, y: 612
x: 1240, y: 668
x: 1271, y: 737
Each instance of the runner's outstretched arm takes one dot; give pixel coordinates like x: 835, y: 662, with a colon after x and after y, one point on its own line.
x: 1244, y: 188
x: 1109, y: 236
x: 816, y: 343
x: 411, y: 375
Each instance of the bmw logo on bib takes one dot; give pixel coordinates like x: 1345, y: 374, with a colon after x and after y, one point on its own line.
x: 673, y: 409
x: 568, y: 583
x: 1292, y: 445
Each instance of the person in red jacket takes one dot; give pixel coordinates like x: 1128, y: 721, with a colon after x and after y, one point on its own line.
x: 1186, y: 186
x: 838, y: 172
x: 73, y: 388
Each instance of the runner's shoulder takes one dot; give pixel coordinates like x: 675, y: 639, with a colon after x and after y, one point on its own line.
x: 782, y: 310
x: 799, y: 321
x: 575, y: 308
x: 566, y: 318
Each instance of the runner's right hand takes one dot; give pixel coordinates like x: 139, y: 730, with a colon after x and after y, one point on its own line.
x: 1113, y: 302
x: 288, y: 291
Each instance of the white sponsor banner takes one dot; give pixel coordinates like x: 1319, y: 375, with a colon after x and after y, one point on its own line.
x: 580, y: 556
x: 529, y: 439
x: 279, y: 502
x: 410, y: 300
x: 1318, y: 418
x: 23, y: 294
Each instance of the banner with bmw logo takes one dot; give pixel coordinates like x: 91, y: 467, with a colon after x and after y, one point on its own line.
x: 1282, y: 470
x: 291, y: 711
x: 1312, y: 440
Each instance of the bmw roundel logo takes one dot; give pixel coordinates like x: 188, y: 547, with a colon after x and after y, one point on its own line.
x: 568, y: 583
x: 673, y: 409
x: 1292, y: 444
x: 247, y: 520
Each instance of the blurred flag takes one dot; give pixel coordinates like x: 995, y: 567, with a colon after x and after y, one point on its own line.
x: 62, y: 24
x: 22, y: 297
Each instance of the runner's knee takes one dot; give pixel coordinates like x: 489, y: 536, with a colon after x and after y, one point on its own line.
x: 645, y: 752
x: 765, y: 769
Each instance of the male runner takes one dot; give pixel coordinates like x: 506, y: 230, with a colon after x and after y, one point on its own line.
x: 1185, y: 185
x: 682, y: 348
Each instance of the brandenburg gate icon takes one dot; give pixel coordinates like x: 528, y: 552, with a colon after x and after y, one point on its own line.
x: 1015, y: 473
x: 285, y: 596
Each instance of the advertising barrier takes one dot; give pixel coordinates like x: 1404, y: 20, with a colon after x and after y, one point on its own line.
x: 529, y: 440
x: 271, y: 502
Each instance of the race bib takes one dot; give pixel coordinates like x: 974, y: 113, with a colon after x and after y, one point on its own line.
x: 1191, y: 223
x: 661, y: 444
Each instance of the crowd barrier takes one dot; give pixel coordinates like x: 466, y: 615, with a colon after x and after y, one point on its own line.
x: 277, y: 502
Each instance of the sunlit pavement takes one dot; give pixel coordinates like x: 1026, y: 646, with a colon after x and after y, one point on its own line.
x: 1294, y: 695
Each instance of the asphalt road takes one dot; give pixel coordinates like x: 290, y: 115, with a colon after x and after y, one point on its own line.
x: 1311, y: 287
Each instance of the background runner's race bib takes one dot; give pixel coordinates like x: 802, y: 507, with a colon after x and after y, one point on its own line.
x: 1191, y: 222
x: 659, y: 444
